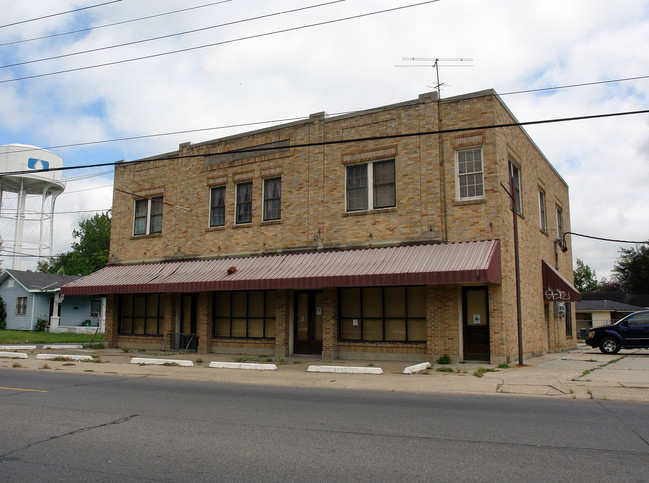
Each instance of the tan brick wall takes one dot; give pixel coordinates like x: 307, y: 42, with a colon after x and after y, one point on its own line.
x: 314, y: 214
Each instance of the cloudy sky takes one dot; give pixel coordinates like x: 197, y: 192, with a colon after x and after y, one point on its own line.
x: 252, y: 62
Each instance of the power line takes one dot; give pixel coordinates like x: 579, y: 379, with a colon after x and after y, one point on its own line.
x: 214, y: 44
x: 569, y: 86
x: 161, y: 37
x: 113, y: 24
x: 57, y: 14
x: 339, y: 141
x: 572, y: 233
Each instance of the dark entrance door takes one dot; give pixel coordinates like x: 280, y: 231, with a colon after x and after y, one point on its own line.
x: 308, y: 323
x: 475, y: 321
x: 187, y: 339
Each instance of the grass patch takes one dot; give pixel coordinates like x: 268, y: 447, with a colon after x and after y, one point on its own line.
x: 198, y: 361
x: 445, y: 359
x: 242, y: 359
x: 445, y: 369
x: 45, y: 366
x: 16, y: 364
x: 503, y: 366
x: 68, y: 364
x: 481, y: 371
x: 33, y: 337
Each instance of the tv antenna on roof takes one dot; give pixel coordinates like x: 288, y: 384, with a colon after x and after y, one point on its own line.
x: 452, y: 62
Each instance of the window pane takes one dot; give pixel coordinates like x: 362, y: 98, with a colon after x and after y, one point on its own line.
x: 384, y: 185
x: 223, y: 304
x: 255, y: 304
x: 140, y: 217
x: 139, y: 305
x: 270, y: 304
x: 256, y: 328
x: 222, y: 328
x: 217, y: 206
x: 156, y: 215
x: 152, y: 305
x: 372, y: 329
x: 470, y: 176
x: 244, y: 203
x: 270, y: 328
x: 138, y: 326
x: 395, y: 329
x: 373, y: 302
x: 417, y: 302
x: 152, y: 326
x: 239, y: 301
x: 357, y: 187
x: 126, y: 325
x: 349, y: 331
x: 272, y: 199
x: 417, y: 330
x: 238, y: 327
x: 395, y: 302
x: 350, y: 302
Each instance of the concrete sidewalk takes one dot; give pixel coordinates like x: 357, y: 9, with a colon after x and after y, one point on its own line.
x: 578, y: 374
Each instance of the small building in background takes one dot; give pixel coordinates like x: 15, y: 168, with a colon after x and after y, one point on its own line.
x: 33, y: 296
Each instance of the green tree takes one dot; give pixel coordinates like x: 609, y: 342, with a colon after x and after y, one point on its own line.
x: 585, y: 277
x: 632, y: 269
x: 89, y: 253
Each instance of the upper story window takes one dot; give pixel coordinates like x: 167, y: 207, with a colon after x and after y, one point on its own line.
x: 371, y: 185
x: 272, y: 199
x: 217, y: 206
x: 21, y: 305
x: 542, y: 218
x: 470, y: 175
x: 148, y: 216
x: 515, y: 177
x: 244, y: 203
x: 559, y: 223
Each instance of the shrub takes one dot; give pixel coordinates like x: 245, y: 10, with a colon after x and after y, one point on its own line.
x: 3, y: 314
x: 445, y: 359
x: 41, y: 323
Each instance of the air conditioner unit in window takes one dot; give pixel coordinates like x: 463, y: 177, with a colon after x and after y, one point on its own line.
x: 559, y: 309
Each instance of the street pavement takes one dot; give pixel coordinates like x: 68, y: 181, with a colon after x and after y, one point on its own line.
x: 583, y: 373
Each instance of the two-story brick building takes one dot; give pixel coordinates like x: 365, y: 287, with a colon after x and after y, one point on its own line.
x: 386, y: 233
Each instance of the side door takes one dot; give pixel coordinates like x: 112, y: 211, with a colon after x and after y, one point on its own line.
x: 475, y: 322
x: 635, y: 330
x: 308, y: 323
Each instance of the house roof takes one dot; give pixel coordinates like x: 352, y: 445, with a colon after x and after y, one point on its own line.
x: 37, y: 281
x: 605, y: 306
x: 468, y: 262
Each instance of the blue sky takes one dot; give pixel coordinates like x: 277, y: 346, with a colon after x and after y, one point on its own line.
x: 338, y: 67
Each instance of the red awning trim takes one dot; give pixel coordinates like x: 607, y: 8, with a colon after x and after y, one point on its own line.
x: 555, y: 287
x: 448, y: 263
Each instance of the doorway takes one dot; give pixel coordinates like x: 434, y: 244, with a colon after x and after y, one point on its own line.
x: 308, y: 323
x: 475, y: 322
x: 187, y: 338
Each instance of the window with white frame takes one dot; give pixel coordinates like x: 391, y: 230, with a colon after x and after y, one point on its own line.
x: 559, y: 223
x: 515, y: 183
x: 21, y: 305
x: 217, y: 206
x: 542, y: 218
x: 95, y: 308
x: 272, y: 199
x: 371, y: 185
x: 148, y: 216
x: 244, y: 203
x: 469, y: 174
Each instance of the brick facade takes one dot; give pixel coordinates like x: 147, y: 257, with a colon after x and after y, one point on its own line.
x: 314, y: 217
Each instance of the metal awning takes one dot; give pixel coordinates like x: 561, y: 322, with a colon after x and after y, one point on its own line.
x: 447, y: 263
x: 555, y: 287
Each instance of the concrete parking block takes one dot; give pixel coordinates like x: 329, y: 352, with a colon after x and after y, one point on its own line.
x: 416, y: 368
x: 17, y: 347
x: 161, y: 362
x: 67, y: 357
x: 243, y: 365
x: 63, y: 346
x: 13, y: 355
x: 346, y: 369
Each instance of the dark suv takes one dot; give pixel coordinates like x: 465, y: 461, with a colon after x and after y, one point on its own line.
x: 630, y: 332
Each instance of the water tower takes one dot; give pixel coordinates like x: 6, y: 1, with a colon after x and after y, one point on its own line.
x: 27, y: 200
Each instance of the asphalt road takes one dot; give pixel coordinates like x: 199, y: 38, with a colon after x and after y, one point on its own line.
x: 77, y: 427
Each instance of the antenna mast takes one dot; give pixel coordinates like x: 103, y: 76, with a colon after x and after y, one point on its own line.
x: 435, y: 63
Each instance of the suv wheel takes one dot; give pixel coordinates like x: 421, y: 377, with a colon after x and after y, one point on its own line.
x: 609, y: 345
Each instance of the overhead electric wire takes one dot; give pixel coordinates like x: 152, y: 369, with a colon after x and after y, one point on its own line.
x: 96, y: 27
x: 161, y: 37
x: 569, y: 86
x: 58, y: 14
x: 214, y: 44
x: 338, y: 141
x: 572, y: 233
